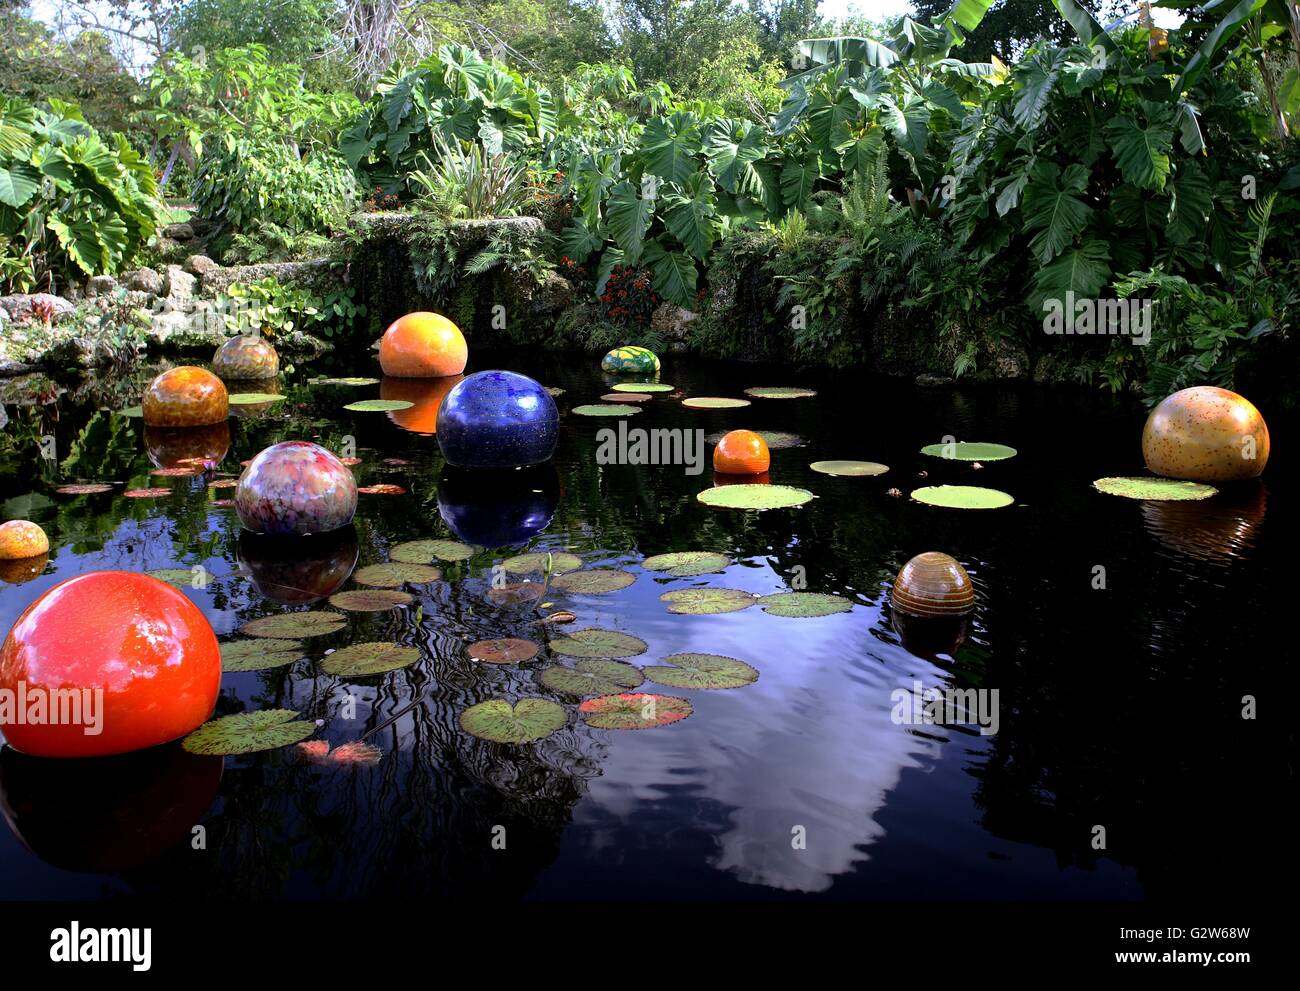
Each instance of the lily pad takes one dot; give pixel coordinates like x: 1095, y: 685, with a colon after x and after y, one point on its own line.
x: 779, y: 392
x: 970, y: 451
x: 637, y: 710
x: 592, y: 677
x: 223, y: 483
x: 962, y: 497
x: 686, y: 564
x: 626, y: 397
x: 605, y: 409
x: 251, y: 398
x: 754, y: 496
x: 424, y: 551
x: 527, y: 564
x: 707, y: 601
x: 146, y: 493
x: 714, y: 402
x: 292, y: 625
x: 396, y: 574
x: 1154, y: 489
x: 358, y: 659
x: 249, y: 732
x: 378, y: 405
x: 260, y: 654
x: 182, y: 578
x: 643, y: 387
x: 135, y: 412
x: 179, y: 471
x: 597, y: 581
x: 499, y: 722
x: 594, y: 642
x: 507, y: 650
x: 89, y: 488
x: 515, y: 593
x: 369, y: 600
x: 854, y: 469
x: 554, y: 390
x: 804, y: 604
x: 350, y: 380
x: 702, y: 671
x: 383, y: 488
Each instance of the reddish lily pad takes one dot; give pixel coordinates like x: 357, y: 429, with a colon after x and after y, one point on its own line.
x: 370, y: 600
x: 507, y: 650
x: 88, y: 488
x: 636, y: 710
x: 383, y: 488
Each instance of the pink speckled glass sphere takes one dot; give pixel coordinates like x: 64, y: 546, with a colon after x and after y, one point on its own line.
x: 296, y: 487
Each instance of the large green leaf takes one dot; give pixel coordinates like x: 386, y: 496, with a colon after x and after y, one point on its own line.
x: 675, y: 275
x: 1083, y: 269
x: 1035, y: 79
x: 578, y: 241
x: 1142, y: 153
x: 628, y: 217
x: 1203, y: 57
x: 1053, y: 207
x: 798, y: 177
x: 668, y: 146
x: 18, y: 183
x: 830, y: 118
x: 731, y: 147
x: 909, y: 123
x: 690, y: 213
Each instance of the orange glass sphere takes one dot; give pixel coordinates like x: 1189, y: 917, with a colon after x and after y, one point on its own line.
x: 186, y: 396
x: 741, y: 452
x: 246, y: 358
x: 1205, y: 434
x: 933, y: 584
x: 115, y: 651
x: 423, y: 345
x: 22, y: 538
x: 425, y: 395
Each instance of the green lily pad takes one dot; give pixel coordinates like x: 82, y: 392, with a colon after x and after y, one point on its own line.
x: 754, y: 497
x: 424, y: 551
x: 597, y: 581
x: 854, y: 469
x: 962, y: 497
x: 527, y: 564
x: 637, y: 710
x: 350, y: 380
x: 182, y: 578
x: 252, y: 398
x: 396, y: 574
x: 499, y: 722
x: 369, y: 600
x: 605, y: 409
x: 593, y: 642
x: 702, y: 671
x: 707, y: 601
x: 643, y: 387
x: 1154, y: 489
x: 970, y: 451
x: 804, y: 604
x: 779, y: 392
x: 135, y: 412
x: 260, y: 654
x: 378, y: 405
x: 592, y: 677
x: 686, y: 564
x: 292, y: 625
x: 554, y: 390
x: 248, y: 732
x: 359, y: 659
x: 713, y: 402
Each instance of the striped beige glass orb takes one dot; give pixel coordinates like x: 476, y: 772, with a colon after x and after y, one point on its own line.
x: 933, y: 584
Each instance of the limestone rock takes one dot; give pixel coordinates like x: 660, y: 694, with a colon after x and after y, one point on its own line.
x: 179, y: 232
x: 145, y: 280
x: 200, y: 265
x: 100, y: 285
x: 178, y: 287
x: 21, y: 305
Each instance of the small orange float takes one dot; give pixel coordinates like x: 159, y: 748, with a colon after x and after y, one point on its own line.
x: 741, y: 452
x: 423, y: 345
x: 20, y: 539
x: 1205, y: 434
x: 186, y: 396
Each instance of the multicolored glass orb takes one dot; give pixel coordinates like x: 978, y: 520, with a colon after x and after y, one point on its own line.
x: 498, y: 419
x: 186, y: 396
x: 741, y: 452
x: 117, y: 652
x: 293, y: 572
x: 630, y: 360
x: 20, y: 539
x: 933, y: 584
x: 423, y: 345
x: 425, y: 395
x: 246, y: 358
x: 1205, y: 434
x: 295, y: 487
x: 171, y: 447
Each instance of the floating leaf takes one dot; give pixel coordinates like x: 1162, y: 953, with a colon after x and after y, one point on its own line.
x: 754, y: 496
x: 359, y: 659
x: 970, y: 451
x: 90, y: 488
x: 396, y: 574
x: 605, y: 409
x: 714, y: 402
x: 223, y: 483
x: 370, y: 600
x: 353, y: 380
x: 643, y: 387
x: 515, y: 593
x: 222, y: 503
x: 597, y: 581
x: 594, y: 642
x: 134, y: 412
x: 962, y: 497
x: 554, y: 390
x: 526, y: 564
x: 507, y: 650
x: 626, y: 397
x: 182, y: 577
x: 292, y: 625
x: 592, y: 677
x: 702, y: 671
x: 1154, y: 489
x: 397, y: 462
x: 384, y: 488
x: 424, y: 551
x: 779, y: 392
x: 252, y: 398
x: 850, y: 468
x: 260, y: 654
x: 707, y: 601
x: 248, y: 732
x: 634, y: 711
x: 497, y: 721
x: 350, y: 462
x: 563, y: 616
x: 186, y: 471
x: 146, y: 493
x: 378, y: 405
x: 804, y: 604
x: 685, y: 564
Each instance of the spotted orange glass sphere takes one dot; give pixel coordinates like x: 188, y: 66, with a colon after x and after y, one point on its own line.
x: 124, y: 662
x: 185, y: 397
x: 1205, y: 434
x: 423, y: 345
x: 425, y: 396
x: 933, y: 584
x: 22, y: 538
x: 741, y: 452
x: 246, y: 358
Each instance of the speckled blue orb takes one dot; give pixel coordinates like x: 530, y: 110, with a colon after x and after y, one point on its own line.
x: 497, y: 420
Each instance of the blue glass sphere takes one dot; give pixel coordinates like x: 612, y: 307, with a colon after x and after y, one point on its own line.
x: 498, y: 508
x: 497, y: 420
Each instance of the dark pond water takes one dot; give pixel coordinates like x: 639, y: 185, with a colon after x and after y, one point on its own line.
x: 1119, y: 707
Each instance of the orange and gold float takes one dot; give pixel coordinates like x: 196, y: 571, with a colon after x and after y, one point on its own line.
x: 933, y: 585
x: 1206, y: 434
x: 185, y: 397
x: 741, y: 452
x: 246, y: 358
x: 423, y: 345
x: 132, y: 655
x: 21, y: 539
x: 424, y: 395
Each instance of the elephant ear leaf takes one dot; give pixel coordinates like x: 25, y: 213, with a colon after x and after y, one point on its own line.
x: 628, y: 217
x: 578, y: 241
x: 1142, y: 153
x: 668, y: 146
x: 1083, y: 269
x: 690, y: 213
x: 18, y: 183
x: 1054, y: 208
x: 798, y: 177
x: 731, y: 147
x: 675, y: 274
